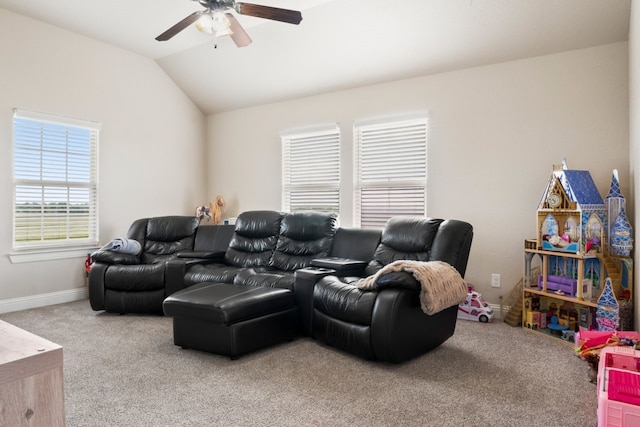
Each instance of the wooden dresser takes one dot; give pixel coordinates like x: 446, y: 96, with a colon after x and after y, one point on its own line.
x: 31, y: 379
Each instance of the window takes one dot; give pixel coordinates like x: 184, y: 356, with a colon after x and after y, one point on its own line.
x: 311, y: 169
x: 390, y: 169
x: 54, y: 181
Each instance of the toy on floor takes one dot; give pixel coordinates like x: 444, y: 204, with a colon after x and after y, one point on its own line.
x: 475, y: 308
x: 589, y: 343
x: 619, y: 387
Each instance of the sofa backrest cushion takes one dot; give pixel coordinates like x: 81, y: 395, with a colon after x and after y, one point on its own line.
x: 452, y: 244
x: 424, y: 239
x: 138, y: 230
x: 405, y: 238
x: 167, y: 235
x: 254, y: 239
x: 213, y: 238
x: 355, y: 243
x: 303, y: 237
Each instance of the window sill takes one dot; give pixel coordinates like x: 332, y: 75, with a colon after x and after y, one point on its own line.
x: 36, y: 255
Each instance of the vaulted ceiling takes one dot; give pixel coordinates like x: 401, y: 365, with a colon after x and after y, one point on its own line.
x: 339, y: 43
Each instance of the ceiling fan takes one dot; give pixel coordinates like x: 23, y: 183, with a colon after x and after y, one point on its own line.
x: 215, y: 19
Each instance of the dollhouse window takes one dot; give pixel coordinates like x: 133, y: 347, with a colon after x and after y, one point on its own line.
x: 550, y: 225
x: 594, y: 227
x: 571, y: 229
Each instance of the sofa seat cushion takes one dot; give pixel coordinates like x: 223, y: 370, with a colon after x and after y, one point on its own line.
x: 213, y: 273
x: 134, y: 278
x: 265, y: 277
x: 344, y: 301
x: 227, y: 303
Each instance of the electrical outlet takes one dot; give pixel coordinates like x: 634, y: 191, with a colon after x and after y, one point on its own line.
x: 495, y: 280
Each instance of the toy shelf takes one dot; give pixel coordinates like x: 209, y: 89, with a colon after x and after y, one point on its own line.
x: 560, y: 297
x: 560, y: 253
x: 580, y: 278
x: 541, y: 302
x: 580, y: 258
x: 547, y: 333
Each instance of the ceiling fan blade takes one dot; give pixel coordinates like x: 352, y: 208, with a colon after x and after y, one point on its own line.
x: 239, y: 36
x: 179, y: 26
x: 268, y: 12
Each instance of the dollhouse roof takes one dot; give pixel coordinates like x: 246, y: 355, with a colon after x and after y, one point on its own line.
x: 607, y: 298
x: 577, y: 186
x: 580, y: 187
x: 614, y: 190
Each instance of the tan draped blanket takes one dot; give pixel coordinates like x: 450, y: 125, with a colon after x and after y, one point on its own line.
x: 442, y: 286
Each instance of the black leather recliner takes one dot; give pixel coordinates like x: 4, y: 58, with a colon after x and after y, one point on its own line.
x: 125, y: 283
x: 388, y: 324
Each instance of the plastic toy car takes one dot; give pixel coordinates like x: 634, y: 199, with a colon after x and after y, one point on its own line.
x: 475, y: 308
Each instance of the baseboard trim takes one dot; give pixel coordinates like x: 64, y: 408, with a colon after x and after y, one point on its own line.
x: 43, y: 300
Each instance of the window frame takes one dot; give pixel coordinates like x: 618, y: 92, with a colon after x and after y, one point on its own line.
x: 75, y: 176
x: 415, y: 186
x: 329, y: 175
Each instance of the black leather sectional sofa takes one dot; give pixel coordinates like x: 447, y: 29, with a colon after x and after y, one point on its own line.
x: 232, y: 289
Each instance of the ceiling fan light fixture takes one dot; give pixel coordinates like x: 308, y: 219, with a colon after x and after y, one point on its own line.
x: 221, y: 24
x: 204, y: 24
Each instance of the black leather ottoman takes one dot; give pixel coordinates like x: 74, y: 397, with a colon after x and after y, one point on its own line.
x: 231, y: 319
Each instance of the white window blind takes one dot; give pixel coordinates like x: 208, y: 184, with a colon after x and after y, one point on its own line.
x: 55, y: 162
x: 311, y: 169
x: 390, y: 170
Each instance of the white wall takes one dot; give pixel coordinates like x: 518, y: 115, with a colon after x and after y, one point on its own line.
x: 495, y: 133
x: 634, y: 135
x: 151, y: 143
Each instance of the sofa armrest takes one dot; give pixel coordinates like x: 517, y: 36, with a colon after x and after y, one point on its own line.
x: 304, y: 282
x: 342, y: 266
x: 96, y: 285
x: 398, y: 280
x: 400, y: 330
x: 110, y: 257
x: 174, y: 271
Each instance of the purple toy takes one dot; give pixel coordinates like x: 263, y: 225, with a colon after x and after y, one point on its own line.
x: 559, y: 283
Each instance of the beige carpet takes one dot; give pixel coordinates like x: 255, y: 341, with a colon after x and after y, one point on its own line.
x: 125, y: 371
